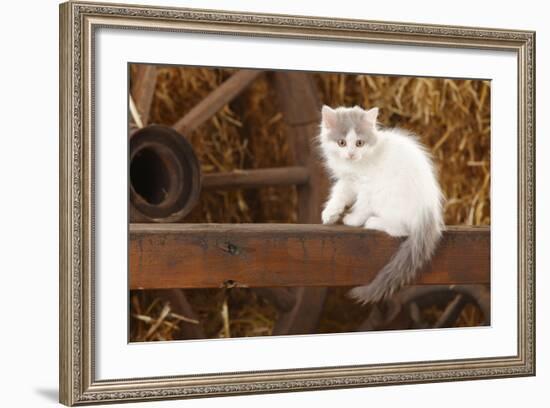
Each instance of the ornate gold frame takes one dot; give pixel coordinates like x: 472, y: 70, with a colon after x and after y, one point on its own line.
x: 77, y: 24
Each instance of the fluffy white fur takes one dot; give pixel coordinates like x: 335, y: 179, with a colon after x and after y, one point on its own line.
x: 383, y: 179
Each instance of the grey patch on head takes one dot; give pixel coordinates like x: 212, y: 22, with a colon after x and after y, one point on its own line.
x: 412, y: 254
x: 351, y: 118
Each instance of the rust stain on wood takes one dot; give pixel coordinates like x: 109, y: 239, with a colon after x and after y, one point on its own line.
x: 271, y: 255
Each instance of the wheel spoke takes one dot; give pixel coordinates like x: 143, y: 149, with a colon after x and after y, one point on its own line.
x: 416, y: 316
x: 283, y: 299
x: 223, y: 94
x: 451, y: 313
x: 304, y: 316
x: 143, y: 90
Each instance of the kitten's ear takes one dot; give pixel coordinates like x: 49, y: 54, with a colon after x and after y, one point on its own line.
x: 371, y: 115
x: 329, y: 116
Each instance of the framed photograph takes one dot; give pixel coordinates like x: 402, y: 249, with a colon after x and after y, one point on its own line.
x: 256, y: 203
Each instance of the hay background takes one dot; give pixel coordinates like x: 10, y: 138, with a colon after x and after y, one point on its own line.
x: 451, y: 117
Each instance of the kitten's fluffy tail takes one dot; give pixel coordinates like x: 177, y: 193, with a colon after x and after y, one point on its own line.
x: 412, y: 254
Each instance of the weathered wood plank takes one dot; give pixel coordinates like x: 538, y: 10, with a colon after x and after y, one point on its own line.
x: 214, y: 101
x: 281, y: 176
x: 271, y: 255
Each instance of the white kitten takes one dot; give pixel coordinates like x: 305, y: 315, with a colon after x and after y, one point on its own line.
x: 388, y: 178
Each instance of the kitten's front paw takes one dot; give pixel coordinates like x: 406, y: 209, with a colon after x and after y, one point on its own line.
x: 354, y: 220
x: 330, y: 216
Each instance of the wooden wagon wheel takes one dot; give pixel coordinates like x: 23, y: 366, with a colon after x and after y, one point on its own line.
x: 403, y: 311
x: 299, y: 308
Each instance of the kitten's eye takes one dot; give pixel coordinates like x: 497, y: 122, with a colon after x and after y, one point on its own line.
x: 360, y: 143
x: 341, y: 142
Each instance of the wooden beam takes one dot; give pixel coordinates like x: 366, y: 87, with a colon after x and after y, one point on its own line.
x: 279, y: 176
x: 271, y: 255
x: 214, y: 101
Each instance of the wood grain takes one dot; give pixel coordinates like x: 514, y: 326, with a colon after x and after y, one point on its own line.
x: 277, y: 255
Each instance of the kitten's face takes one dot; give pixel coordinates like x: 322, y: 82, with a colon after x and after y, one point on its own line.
x: 348, y: 133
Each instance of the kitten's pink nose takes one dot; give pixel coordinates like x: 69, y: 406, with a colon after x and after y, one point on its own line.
x: 351, y: 156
